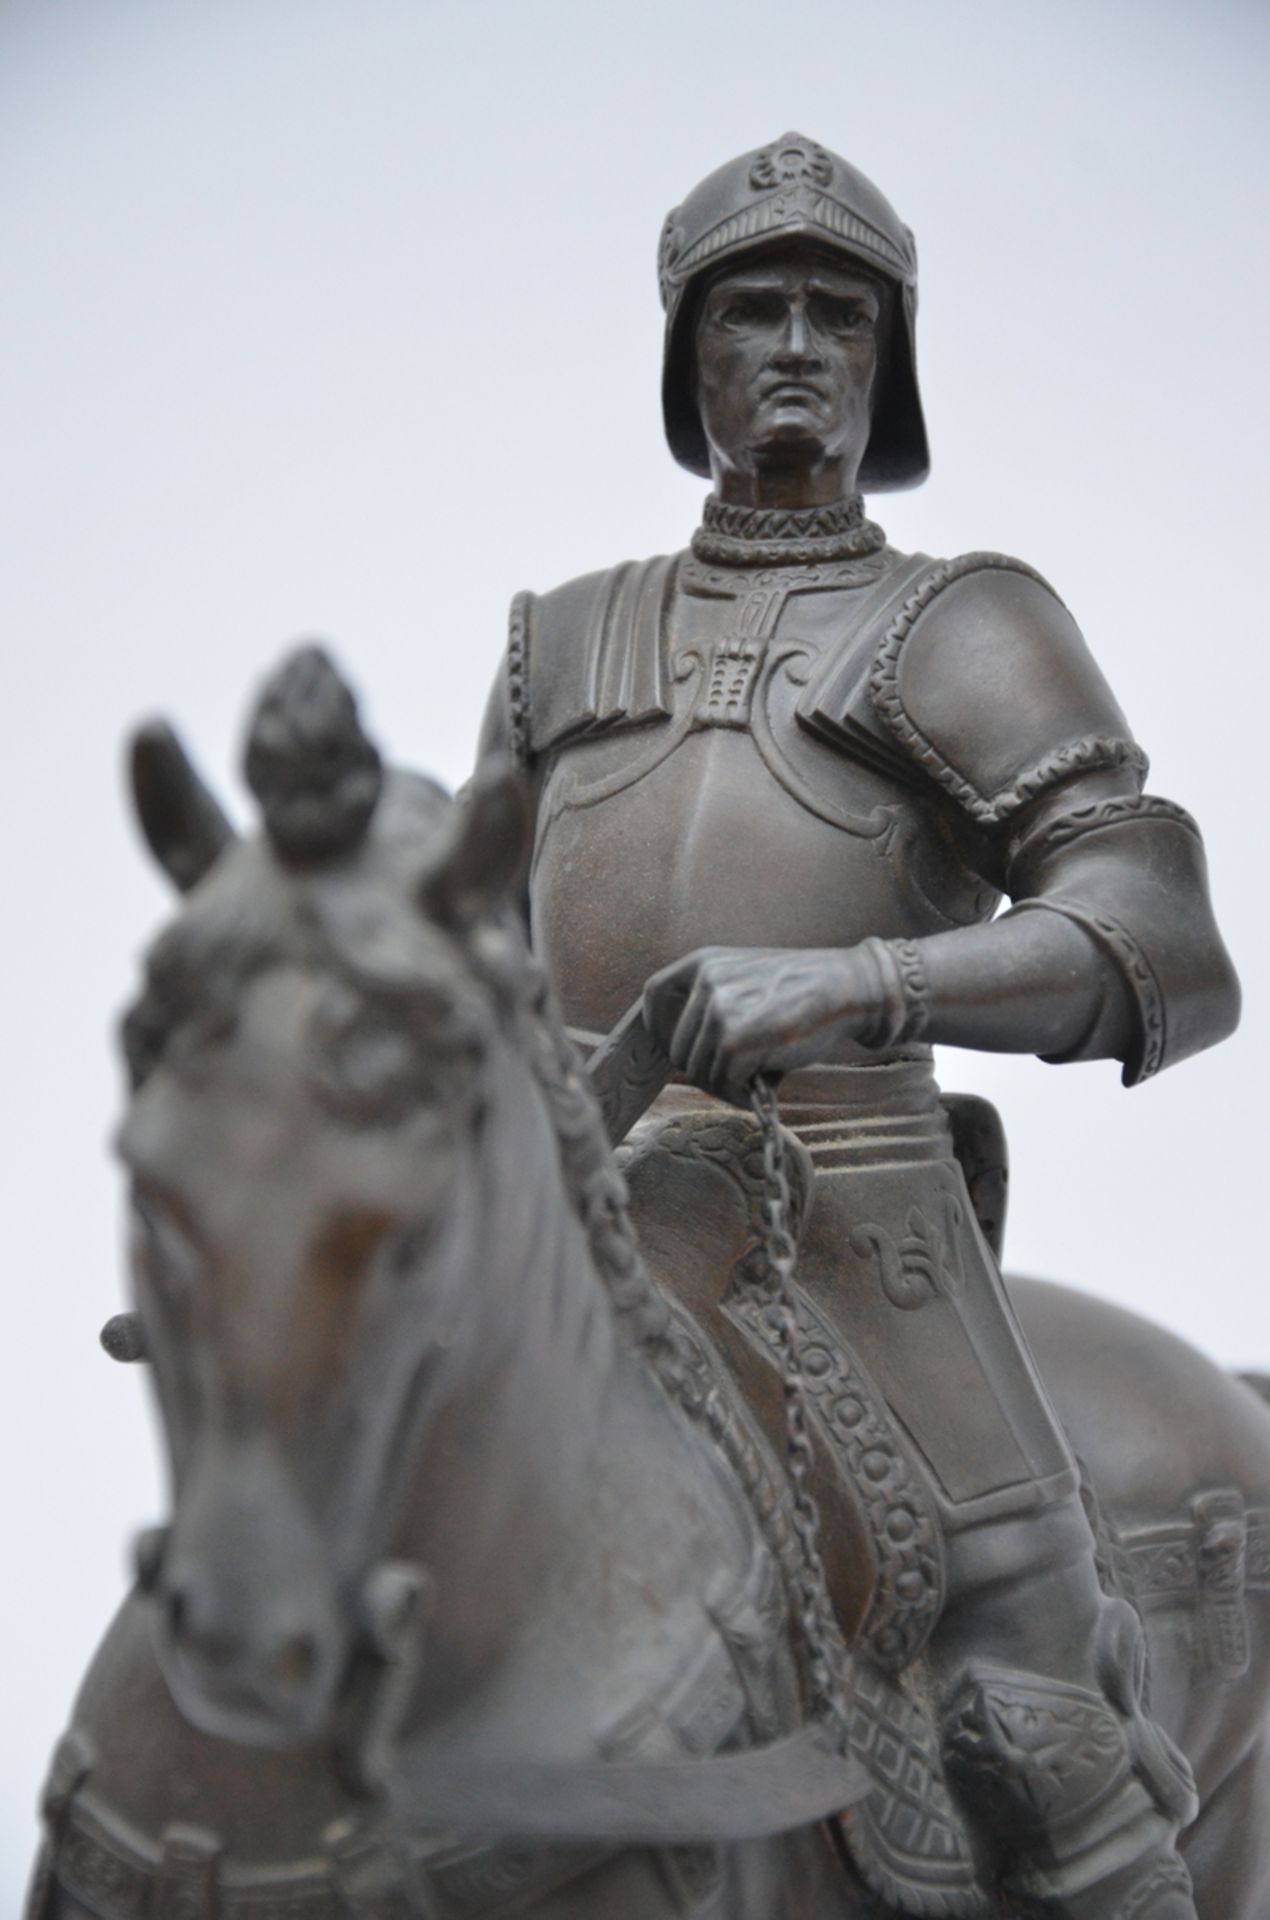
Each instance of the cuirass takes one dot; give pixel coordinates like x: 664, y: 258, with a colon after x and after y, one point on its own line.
x: 730, y: 819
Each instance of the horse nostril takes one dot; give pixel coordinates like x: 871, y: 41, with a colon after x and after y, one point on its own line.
x: 192, y: 1630
x: 295, y: 1661
x: 148, y: 1550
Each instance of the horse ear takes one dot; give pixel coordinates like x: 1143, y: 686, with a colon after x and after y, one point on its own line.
x: 486, y: 848
x: 184, y: 826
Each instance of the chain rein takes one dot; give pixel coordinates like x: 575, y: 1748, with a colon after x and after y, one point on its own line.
x: 790, y: 1528
x: 816, y: 1619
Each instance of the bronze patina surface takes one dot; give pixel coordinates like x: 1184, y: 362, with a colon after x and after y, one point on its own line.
x: 705, y: 1530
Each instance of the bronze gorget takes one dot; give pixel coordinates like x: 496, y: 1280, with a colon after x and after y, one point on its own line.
x: 740, y: 536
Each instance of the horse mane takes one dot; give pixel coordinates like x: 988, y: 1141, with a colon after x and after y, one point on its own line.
x: 668, y: 1342
x: 592, y: 1180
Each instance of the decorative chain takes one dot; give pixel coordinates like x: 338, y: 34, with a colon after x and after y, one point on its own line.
x: 815, y: 1610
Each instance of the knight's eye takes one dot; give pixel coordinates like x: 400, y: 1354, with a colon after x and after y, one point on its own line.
x: 161, y: 1252
x: 842, y: 318
x: 744, y: 310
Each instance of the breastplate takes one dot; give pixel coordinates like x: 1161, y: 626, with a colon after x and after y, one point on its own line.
x: 728, y: 819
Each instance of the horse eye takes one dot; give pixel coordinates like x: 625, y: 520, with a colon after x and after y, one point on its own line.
x: 404, y: 1252
x: 357, y: 1248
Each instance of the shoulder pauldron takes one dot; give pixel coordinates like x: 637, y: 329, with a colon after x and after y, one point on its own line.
x: 983, y: 677
x: 589, y: 655
x: 969, y: 673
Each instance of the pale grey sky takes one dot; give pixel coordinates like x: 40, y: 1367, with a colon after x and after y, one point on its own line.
x: 339, y: 317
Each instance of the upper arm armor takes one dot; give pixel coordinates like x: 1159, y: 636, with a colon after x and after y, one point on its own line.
x: 983, y: 678
x: 1130, y: 870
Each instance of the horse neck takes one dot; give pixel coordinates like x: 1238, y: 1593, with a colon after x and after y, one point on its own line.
x: 578, y: 1496
x: 496, y: 1492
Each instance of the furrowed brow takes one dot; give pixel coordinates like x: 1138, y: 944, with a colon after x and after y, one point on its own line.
x: 836, y: 290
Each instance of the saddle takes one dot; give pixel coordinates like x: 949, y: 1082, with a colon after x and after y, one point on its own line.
x: 695, y: 1177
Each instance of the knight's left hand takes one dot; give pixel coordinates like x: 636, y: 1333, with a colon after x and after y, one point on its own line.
x: 724, y: 1014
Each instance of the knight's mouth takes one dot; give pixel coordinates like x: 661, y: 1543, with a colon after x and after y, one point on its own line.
x: 794, y: 390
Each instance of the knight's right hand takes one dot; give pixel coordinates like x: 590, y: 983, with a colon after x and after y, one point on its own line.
x: 725, y: 1014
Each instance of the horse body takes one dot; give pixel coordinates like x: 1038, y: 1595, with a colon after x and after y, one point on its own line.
x: 1179, y: 1454
x: 446, y: 1488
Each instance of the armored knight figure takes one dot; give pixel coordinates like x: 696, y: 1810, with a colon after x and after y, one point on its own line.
x: 783, y: 780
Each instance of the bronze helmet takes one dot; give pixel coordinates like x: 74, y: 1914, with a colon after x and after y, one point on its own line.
x: 788, y: 190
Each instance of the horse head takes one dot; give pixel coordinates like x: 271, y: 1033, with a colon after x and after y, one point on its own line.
x: 324, y: 1063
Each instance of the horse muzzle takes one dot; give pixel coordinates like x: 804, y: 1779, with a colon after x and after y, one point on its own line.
x: 249, y: 1629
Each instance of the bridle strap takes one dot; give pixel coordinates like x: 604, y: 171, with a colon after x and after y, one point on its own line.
x: 762, y: 1791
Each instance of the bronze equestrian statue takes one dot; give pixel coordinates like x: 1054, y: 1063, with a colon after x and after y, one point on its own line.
x: 483, y: 1592
x: 702, y: 1542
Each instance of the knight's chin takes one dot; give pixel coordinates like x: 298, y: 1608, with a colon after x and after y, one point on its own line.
x: 790, y: 431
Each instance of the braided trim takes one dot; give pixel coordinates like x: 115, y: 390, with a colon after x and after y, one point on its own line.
x: 740, y: 521
x: 1132, y: 963
x: 1094, y: 750
x: 907, y: 955
x: 905, y: 1007
x: 1092, y: 819
x: 733, y: 535
x: 518, y: 679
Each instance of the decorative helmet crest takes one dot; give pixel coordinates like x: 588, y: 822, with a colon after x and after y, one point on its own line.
x: 789, y: 190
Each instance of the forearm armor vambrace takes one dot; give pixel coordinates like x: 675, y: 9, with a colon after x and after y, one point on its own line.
x: 1131, y: 871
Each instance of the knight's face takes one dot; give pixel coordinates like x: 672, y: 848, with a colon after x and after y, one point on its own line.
x: 787, y: 354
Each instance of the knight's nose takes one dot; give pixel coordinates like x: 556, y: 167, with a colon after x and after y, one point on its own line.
x: 795, y: 343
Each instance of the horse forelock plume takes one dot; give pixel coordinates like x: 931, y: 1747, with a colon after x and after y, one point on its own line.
x: 313, y: 769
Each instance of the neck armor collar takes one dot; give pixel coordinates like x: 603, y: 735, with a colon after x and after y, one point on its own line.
x: 732, y: 536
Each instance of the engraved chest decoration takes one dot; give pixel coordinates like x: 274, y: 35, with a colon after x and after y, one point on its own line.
x: 726, y: 687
